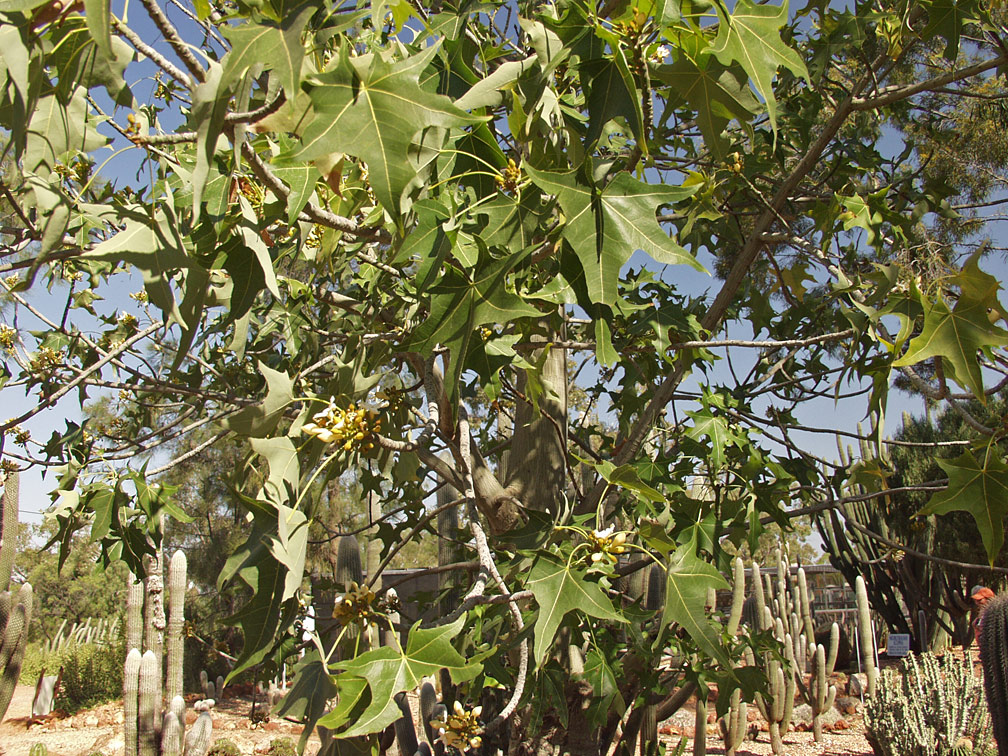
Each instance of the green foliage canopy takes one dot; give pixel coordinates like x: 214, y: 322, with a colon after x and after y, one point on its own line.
x: 357, y: 222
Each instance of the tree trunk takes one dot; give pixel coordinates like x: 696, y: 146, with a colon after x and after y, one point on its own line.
x: 536, y: 462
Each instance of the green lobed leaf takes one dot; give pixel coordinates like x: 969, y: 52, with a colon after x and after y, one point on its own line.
x: 309, y: 696
x: 390, y: 671
x: 259, y: 419
x: 460, y: 305
x: 980, y: 488
x: 277, y: 47
x: 957, y: 334
x: 716, y: 92
x: 751, y: 36
x: 559, y: 589
x: 373, y: 109
x: 605, y: 229
x: 686, y: 586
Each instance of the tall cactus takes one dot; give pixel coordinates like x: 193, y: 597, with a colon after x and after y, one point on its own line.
x: 994, y: 657
x: 867, y: 634
x: 733, y: 724
x: 149, y: 730
x: 15, y: 611
x: 821, y: 693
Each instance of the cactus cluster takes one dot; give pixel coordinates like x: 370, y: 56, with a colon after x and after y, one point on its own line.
x: 734, y: 722
x: 899, y: 585
x: 994, y: 657
x: 213, y: 690
x: 930, y: 707
x: 15, y: 608
x: 150, y: 729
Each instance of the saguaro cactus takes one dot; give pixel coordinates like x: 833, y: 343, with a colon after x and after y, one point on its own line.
x: 994, y: 657
x: 15, y: 610
x: 149, y: 731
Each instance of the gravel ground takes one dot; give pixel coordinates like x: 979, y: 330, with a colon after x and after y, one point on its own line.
x: 100, y: 729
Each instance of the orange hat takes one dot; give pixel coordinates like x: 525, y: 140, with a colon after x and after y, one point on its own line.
x: 982, y: 593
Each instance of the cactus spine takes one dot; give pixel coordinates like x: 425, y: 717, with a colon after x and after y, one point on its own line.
x: 994, y: 657
x: 149, y: 731
x: 15, y: 613
x: 867, y: 635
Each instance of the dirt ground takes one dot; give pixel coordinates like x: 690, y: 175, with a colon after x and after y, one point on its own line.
x: 99, y: 730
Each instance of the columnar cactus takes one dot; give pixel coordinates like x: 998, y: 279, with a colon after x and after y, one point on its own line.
x: 15, y: 611
x: 821, y: 693
x: 733, y: 724
x: 867, y: 635
x: 994, y: 656
x: 149, y: 731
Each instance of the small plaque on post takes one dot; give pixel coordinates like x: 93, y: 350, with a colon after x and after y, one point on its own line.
x: 899, y: 644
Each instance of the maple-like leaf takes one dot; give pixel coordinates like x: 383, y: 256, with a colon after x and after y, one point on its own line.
x: 559, y: 589
x: 957, y: 334
x: 751, y: 36
x: 686, y: 585
x: 716, y: 428
x: 461, y: 304
x: 373, y: 109
x: 717, y: 93
x: 946, y: 18
x: 605, y: 228
x: 277, y: 47
x: 980, y: 488
x: 389, y: 671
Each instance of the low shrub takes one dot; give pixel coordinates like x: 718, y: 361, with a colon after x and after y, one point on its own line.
x: 928, y: 708
x: 224, y: 747
x: 282, y: 747
x: 91, y: 675
x: 35, y: 660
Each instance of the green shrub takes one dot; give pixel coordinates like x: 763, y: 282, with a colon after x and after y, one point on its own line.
x: 38, y: 749
x: 91, y: 675
x: 928, y: 708
x: 282, y: 747
x: 35, y: 660
x: 224, y: 747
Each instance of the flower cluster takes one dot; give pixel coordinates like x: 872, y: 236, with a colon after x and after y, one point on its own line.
x: 253, y: 191
x: 356, y: 607
x: 8, y: 337
x: 510, y: 177
x: 606, y: 545
x: 461, y: 729
x: 347, y: 427
x: 21, y: 435
x: 133, y: 130
x: 46, y: 359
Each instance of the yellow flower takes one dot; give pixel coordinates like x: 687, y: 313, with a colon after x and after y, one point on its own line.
x: 461, y: 729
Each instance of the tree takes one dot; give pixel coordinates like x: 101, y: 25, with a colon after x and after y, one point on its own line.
x: 357, y: 224
x: 75, y: 591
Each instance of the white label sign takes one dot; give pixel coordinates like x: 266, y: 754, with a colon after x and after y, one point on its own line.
x: 899, y: 644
